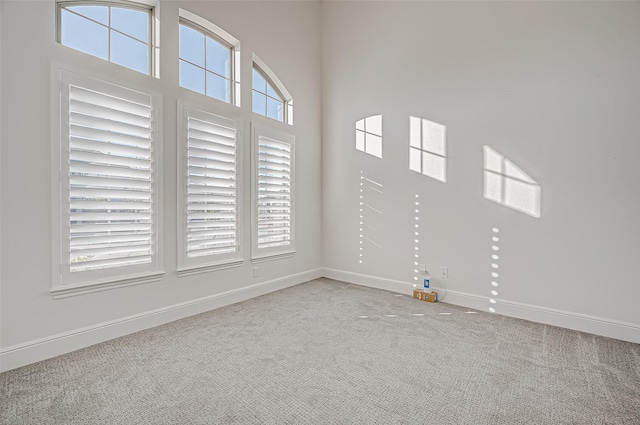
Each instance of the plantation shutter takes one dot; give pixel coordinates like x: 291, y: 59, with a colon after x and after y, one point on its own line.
x: 211, y: 227
x: 274, y: 192
x: 111, y: 209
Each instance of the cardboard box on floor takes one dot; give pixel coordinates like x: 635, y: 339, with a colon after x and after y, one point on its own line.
x: 430, y: 297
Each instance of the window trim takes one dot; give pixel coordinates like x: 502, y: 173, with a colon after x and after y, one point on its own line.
x: 105, y: 278
x: 276, y: 84
x: 210, y: 29
x: 149, y: 6
x: 259, y: 255
x: 185, y: 266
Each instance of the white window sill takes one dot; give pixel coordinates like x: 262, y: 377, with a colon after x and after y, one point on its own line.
x: 272, y: 257
x: 80, y: 289
x: 188, y: 271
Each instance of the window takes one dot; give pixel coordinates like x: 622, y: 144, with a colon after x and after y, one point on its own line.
x: 269, y: 97
x: 118, y: 33
x: 109, y: 184
x: 428, y: 148
x: 208, y: 57
x: 209, y: 212
x: 273, y: 193
x: 369, y: 135
x: 266, y: 101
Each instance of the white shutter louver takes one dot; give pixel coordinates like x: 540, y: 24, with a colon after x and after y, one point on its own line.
x: 274, y: 192
x: 211, y: 210
x: 111, y: 211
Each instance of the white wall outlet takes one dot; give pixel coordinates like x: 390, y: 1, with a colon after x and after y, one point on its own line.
x: 256, y: 271
x: 444, y: 272
x: 422, y: 268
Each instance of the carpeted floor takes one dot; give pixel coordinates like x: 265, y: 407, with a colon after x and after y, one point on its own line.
x: 326, y: 352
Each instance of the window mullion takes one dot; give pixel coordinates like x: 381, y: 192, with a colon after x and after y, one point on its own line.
x: 205, y: 63
x: 128, y: 36
x: 151, y: 49
x: 232, y: 86
x: 85, y: 17
x: 109, y: 37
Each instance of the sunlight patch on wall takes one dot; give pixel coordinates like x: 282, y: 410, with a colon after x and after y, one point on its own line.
x: 370, y: 216
x: 428, y: 148
x: 493, y: 291
x: 369, y: 135
x: 416, y: 239
x: 506, y: 184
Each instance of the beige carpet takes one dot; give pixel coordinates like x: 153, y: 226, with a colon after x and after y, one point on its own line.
x: 326, y: 352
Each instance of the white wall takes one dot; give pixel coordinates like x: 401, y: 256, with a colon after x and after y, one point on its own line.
x: 1, y: 13
x: 553, y: 86
x: 284, y: 35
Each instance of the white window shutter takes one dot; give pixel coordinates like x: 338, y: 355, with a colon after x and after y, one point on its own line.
x: 107, y: 211
x: 273, y: 193
x: 211, y: 198
x: 110, y: 175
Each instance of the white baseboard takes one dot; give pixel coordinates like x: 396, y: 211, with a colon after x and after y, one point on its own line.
x: 370, y: 281
x: 580, y: 322
x: 55, y: 345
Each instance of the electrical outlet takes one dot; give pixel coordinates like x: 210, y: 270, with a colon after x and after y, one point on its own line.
x: 422, y: 268
x: 444, y: 272
x: 256, y: 271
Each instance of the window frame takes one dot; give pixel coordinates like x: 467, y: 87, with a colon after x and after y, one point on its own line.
x: 149, y: 6
x: 272, y: 79
x: 105, y: 278
x: 209, y: 29
x: 259, y: 255
x: 205, y: 264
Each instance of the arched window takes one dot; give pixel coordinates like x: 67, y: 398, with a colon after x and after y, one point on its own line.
x: 269, y: 96
x: 121, y: 33
x: 209, y: 59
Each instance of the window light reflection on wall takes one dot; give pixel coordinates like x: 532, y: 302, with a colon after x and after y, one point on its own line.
x: 370, y: 209
x: 428, y: 148
x: 494, y: 265
x: 506, y: 184
x: 369, y: 135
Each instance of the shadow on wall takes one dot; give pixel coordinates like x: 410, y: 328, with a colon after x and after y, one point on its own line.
x: 428, y: 148
x: 370, y: 216
x: 506, y: 184
x: 369, y: 135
